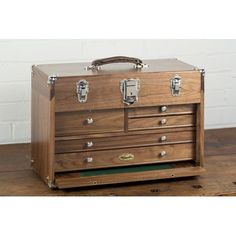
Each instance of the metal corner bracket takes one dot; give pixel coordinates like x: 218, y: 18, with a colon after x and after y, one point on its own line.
x: 52, y: 79
x: 203, y: 72
x: 51, y: 184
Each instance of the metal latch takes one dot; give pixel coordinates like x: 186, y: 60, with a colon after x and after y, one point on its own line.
x: 176, y: 85
x: 82, y: 88
x: 130, y: 88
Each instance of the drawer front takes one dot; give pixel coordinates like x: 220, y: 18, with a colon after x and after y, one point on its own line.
x: 104, y: 91
x: 161, y: 110
x: 161, y: 122
x: 124, y: 157
x: 91, y: 144
x: 69, y: 123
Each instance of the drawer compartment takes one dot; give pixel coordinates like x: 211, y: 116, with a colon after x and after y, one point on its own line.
x: 161, y: 110
x: 161, y: 122
x: 90, y: 144
x: 101, y: 121
x: 127, y: 174
x: 124, y: 157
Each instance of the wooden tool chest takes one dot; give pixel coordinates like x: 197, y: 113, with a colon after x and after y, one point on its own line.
x: 110, y: 122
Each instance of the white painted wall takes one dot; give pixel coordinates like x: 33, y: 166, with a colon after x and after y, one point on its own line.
x: 218, y: 57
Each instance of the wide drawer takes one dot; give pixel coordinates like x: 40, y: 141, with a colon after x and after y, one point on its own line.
x: 161, y: 122
x: 100, y: 121
x: 161, y: 110
x: 90, y: 144
x: 104, y: 90
x: 124, y: 157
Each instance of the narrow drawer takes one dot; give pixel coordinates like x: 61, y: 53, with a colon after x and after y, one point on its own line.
x: 161, y: 122
x: 77, y: 145
x: 124, y: 157
x: 100, y: 121
x: 161, y: 110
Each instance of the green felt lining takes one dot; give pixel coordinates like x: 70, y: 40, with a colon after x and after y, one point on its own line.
x: 119, y: 170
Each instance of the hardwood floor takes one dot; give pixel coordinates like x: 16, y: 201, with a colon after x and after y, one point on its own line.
x: 18, y: 179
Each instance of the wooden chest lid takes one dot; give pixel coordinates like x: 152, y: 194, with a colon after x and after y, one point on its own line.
x: 78, y: 69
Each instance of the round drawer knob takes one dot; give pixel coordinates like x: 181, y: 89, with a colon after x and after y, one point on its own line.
x: 89, y: 159
x: 163, y: 138
x: 89, y: 144
x: 89, y: 121
x: 163, y: 153
x: 163, y: 121
x: 164, y: 108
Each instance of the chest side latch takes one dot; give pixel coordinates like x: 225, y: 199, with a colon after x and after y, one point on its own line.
x: 82, y: 88
x: 176, y: 85
x: 130, y: 89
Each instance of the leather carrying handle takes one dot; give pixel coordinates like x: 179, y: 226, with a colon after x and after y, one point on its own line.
x: 118, y: 59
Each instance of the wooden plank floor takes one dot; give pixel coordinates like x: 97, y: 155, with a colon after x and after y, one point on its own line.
x: 18, y: 179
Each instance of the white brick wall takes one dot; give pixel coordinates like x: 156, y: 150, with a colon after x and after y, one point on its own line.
x: 218, y: 57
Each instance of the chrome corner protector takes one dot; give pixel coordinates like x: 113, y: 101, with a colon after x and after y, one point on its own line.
x: 51, y: 184
x: 52, y: 79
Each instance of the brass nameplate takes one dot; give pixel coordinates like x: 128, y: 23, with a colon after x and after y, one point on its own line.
x: 126, y: 157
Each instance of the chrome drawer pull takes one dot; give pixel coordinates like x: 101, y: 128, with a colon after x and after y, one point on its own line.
x: 163, y: 153
x: 89, y: 144
x: 163, y: 121
x: 163, y: 138
x: 89, y: 159
x: 89, y: 121
x: 164, y: 108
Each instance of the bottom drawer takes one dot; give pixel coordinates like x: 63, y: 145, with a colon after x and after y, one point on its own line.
x: 127, y: 174
x: 124, y: 157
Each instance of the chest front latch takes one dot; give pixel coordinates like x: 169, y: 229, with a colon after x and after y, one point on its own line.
x: 175, y: 85
x: 130, y: 89
x: 82, y: 88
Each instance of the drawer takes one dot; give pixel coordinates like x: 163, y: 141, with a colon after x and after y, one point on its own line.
x: 161, y: 110
x: 124, y: 157
x: 90, y: 144
x: 101, y: 121
x: 161, y: 122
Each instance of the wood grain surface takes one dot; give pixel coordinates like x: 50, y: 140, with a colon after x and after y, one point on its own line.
x: 157, y: 111
x: 156, y: 122
x: 78, y: 69
x: 111, y: 158
x: 42, y: 128
x: 104, y: 92
x: 70, y: 123
x: 18, y: 179
x: 103, y: 143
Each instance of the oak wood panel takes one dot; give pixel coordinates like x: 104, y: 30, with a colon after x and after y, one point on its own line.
x: 156, y: 122
x: 156, y: 110
x: 77, y: 145
x: 42, y: 129
x: 111, y: 158
x: 78, y: 69
x: 104, y: 92
x: 70, y: 123
x: 73, y: 180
